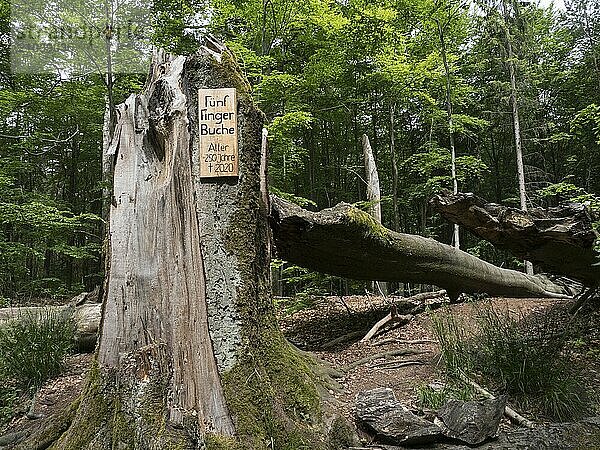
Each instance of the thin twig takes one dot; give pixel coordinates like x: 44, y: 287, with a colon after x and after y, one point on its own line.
x: 348, y: 309
x: 390, y: 354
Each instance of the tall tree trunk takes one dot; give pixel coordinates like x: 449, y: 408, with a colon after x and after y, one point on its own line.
x: 516, y: 122
x: 189, y: 354
x: 373, y: 195
x: 394, y: 167
x: 456, y: 231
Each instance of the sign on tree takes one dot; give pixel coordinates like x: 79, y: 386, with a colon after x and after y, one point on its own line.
x: 217, y: 111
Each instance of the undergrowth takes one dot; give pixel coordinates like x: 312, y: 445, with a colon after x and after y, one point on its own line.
x: 527, y: 359
x: 434, y: 397
x: 33, y: 349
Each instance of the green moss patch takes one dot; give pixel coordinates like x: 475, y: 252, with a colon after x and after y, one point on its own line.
x: 274, y: 399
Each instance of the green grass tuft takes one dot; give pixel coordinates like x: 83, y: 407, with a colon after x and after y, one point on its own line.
x: 529, y: 360
x: 33, y: 347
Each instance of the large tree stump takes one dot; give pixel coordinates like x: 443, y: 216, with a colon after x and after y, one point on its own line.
x: 189, y: 354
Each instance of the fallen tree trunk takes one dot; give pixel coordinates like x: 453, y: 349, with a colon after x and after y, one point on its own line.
x: 347, y: 242
x: 86, y: 319
x: 558, y: 239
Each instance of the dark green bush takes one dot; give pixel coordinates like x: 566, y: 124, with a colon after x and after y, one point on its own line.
x: 34, y: 346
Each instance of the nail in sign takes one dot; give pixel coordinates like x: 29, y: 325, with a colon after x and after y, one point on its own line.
x: 217, y: 111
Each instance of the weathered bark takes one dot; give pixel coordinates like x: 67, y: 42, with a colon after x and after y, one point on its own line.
x: 189, y: 354
x: 372, y: 180
x: 558, y: 239
x: 347, y: 242
x: 373, y: 195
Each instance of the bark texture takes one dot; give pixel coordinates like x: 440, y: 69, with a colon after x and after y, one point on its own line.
x: 558, y: 239
x: 372, y: 180
x: 347, y: 242
x: 189, y: 354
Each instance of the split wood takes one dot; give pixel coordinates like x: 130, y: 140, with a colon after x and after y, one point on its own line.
x: 394, y: 317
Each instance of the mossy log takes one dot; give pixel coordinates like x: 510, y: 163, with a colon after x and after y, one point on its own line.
x: 348, y: 242
x: 560, y: 239
x: 189, y: 354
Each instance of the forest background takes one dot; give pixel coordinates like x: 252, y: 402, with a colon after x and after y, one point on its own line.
x: 324, y: 72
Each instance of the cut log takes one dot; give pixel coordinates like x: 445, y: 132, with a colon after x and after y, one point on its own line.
x: 558, y: 239
x: 345, y: 241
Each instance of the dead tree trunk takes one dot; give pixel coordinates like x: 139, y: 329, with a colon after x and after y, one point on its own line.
x: 189, y: 354
x: 372, y: 180
x: 347, y: 242
x: 373, y: 195
x: 559, y: 239
x: 456, y: 231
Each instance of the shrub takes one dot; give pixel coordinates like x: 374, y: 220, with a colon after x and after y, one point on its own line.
x: 34, y: 346
x: 434, y: 398
x: 9, y: 396
x: 453, y: 342
x: 527, y: 359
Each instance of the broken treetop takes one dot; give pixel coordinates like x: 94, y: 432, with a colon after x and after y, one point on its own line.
x: 217, y: 111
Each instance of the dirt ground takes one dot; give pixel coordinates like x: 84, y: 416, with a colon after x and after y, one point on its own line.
x: 332, y: 317
x: 329, y: 318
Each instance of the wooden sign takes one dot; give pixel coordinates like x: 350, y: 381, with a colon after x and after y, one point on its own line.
x: 217, y: 113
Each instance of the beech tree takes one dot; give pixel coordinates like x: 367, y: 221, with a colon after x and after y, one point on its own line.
x: 189, y: 352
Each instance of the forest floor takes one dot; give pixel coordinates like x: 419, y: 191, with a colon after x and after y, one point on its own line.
x: 328, y: 318
x: 324, y: 319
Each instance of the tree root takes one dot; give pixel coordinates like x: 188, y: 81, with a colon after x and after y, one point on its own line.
x: 404, y: 341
